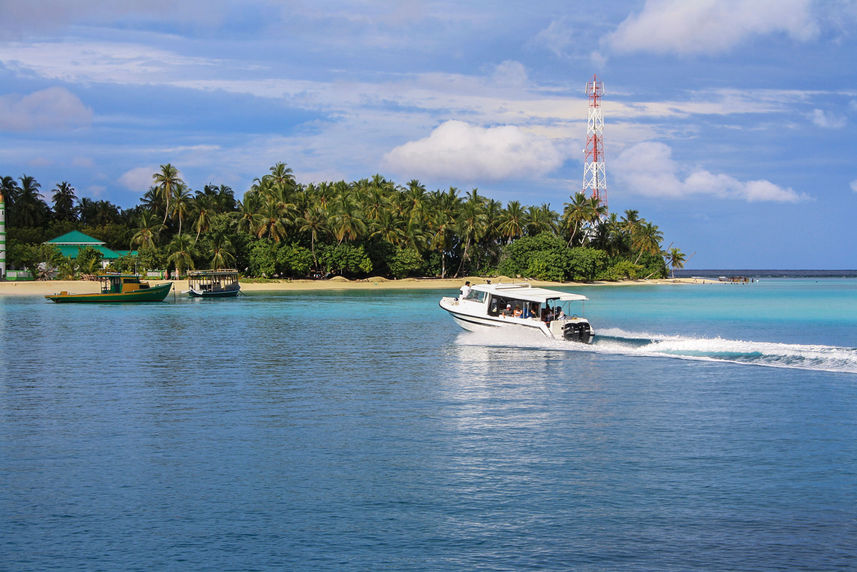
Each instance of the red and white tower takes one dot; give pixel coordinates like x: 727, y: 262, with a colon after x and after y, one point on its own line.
x: 594, y: 171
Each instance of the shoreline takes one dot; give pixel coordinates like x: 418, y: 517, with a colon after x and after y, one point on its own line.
x: 48, y: 287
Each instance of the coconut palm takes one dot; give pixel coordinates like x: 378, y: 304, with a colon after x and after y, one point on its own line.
x: 512, y: 221
x: 472, y: 224
x: 347, y: 220
x: 204, y: 210
x: 675, y: 258
x: 180, y: 251
x: 541, y: 219
x: 30, y: 209
x: 313, y: 221
x: 581, y: 212
x: 181, y: 204
x: 64, y: 198
x: 147, y: 232
x: 646, y: 240
x: 222, y: 250
x: 167, y: 182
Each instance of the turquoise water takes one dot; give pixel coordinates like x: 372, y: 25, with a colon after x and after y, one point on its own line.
x: 709, y: 427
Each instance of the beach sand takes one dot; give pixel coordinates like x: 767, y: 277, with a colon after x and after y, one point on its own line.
x: 43, y: 288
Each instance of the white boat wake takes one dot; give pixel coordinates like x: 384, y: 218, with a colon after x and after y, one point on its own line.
x: 619, y: 342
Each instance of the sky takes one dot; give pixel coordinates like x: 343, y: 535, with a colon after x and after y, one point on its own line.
x: 728, y: 123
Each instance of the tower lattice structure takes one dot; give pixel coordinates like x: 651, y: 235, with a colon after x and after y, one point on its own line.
x: 594, y: 170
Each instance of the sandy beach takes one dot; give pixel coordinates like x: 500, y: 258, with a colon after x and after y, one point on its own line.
x: 43, y: 288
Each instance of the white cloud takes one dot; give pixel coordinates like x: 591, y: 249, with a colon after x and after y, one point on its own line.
x: 827, y: 120
x: 648, y: 169
x: 138, y: 179
x: 461, y: 151
x: 51, y: 108
x: 710, y: 26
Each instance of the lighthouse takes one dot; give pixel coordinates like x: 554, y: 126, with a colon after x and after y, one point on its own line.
x: 2, y: 238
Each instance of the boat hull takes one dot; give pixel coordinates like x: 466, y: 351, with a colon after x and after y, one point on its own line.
x: 152, y: 294
x: 208, y: 294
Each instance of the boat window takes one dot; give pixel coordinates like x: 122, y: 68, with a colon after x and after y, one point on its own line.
x: 476, y: 295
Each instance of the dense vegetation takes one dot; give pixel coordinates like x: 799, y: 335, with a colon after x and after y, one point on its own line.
x: 366, y: 227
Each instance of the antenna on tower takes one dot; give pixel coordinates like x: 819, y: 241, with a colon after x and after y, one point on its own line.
x: 594, y: 171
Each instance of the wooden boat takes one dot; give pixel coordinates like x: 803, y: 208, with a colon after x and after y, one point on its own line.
x: 118, y: 288
x: 213, y: 283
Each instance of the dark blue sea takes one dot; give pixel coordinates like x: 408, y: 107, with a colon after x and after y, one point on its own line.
x: 709, y: 427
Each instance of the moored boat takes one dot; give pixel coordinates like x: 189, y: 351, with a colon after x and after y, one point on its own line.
x: 118, y: 288
x: 520, y: 307
x: 213, y: 283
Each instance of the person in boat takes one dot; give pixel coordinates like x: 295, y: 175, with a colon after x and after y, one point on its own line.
x: 465, y: 290
x: 507, y: 313
x: 518, y: 312
x: 547, y: 314
x: 560, y: 315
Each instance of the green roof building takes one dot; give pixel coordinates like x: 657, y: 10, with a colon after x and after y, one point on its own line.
x: 70, y: 244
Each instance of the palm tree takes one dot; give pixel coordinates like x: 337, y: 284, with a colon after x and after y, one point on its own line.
x: 147, y: 232
x: 270, y: 221
x: 313, y: 221
x: 204, y: 210
x: 181, y: 204
x: 180, y: 253
x: 472, y: 224
x: 64, y: 199
x: 581, y: 211
x: 222, y: 250
x: 512, y: 221
x: 646, y: 240
x: 347, y: 219
x: 676, y: 259
x: 30, y: 209
x: 167, y: 182
x: 541, y: 219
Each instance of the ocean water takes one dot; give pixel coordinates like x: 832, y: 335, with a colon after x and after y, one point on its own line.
x: 708, y: 427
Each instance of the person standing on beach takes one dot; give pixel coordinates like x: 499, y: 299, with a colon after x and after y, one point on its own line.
x: 465, y: 290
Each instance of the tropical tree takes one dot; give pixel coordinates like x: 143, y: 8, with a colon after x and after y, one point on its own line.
x: 167, y: 181
x: 147, y: 232
x: 314, y: 222
x: 512, y: 221
x: 64, y: 202
x: 580, y: 212
x: 472, y: 224
x: 646, y: 240
x: 181, y: 204
x: 222, y: 251
x: 180, y: 253
x: 30, y: 209
x: 675, y: 258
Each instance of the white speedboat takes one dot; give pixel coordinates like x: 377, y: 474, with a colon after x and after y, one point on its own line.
x: 552, y: 313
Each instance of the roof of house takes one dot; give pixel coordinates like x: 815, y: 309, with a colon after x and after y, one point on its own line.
x: 75, y: 237
x: 70, y: 244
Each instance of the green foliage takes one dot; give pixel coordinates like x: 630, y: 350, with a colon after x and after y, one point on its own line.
x: 344, y: 259
x: 585, y: 264
x: 263, y: 258
x: 519, y: 254
x: 294, y: 260
x: 406, y: 262
x: 623, y: 270
x: 89, y: 260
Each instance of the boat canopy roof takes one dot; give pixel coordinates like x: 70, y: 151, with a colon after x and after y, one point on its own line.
x: 223, y: 272
x: 527, y: 293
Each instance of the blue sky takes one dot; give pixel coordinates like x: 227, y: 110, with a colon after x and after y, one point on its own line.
x: 729, y: 123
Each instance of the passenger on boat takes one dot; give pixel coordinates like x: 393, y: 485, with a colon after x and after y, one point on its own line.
x: 560, y: 315
x: 507, y: 313
x: 465, y: 290
x: 517, y: 312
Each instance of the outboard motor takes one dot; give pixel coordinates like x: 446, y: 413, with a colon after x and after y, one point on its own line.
x: 577, y: 332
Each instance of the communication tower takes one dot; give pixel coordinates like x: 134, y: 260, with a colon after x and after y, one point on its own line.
x: 594, y: 171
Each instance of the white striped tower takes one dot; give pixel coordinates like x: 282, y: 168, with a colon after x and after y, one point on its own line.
x: 2, y: 238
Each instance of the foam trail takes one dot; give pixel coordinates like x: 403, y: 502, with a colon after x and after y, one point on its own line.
x: 615, y: 341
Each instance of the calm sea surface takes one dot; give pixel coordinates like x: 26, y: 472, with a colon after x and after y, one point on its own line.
x: 709, y: 427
